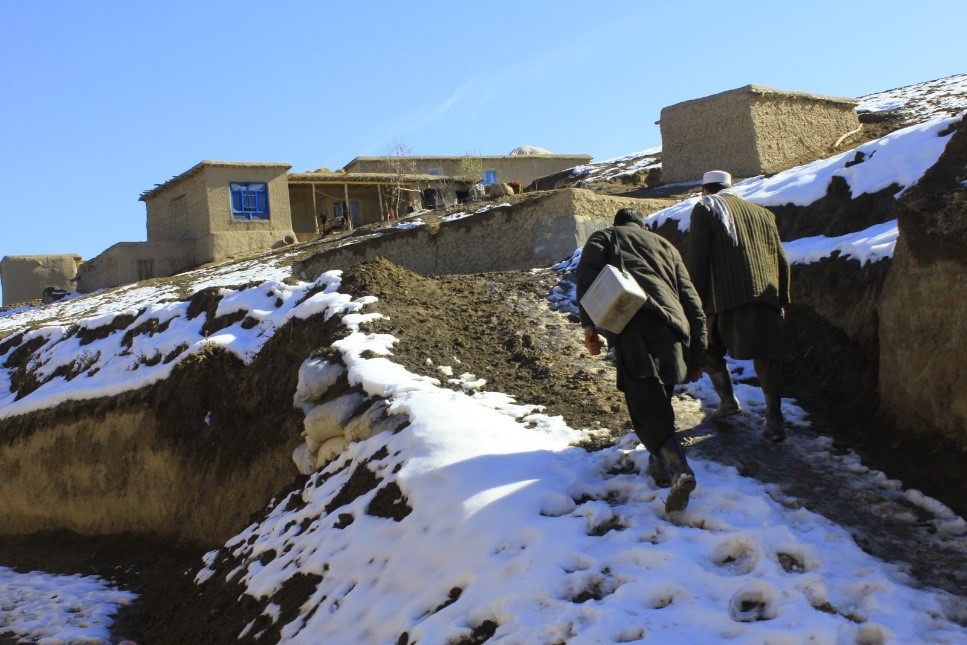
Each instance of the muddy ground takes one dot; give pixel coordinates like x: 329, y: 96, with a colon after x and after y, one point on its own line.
x: 499, y: 327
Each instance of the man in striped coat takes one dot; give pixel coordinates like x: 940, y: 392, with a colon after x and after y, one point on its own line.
x: 739, y: 268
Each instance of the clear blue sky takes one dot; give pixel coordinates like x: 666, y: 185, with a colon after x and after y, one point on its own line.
x: 102, y: 100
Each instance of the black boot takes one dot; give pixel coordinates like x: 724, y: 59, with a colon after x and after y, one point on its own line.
x: 775, y: 423
x: 656, y: 469
x: 728, y: 404
x: 682, y: 477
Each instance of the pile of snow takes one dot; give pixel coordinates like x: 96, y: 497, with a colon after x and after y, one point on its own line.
x: 44, y: 608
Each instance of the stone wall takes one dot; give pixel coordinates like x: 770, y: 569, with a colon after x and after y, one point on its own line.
x: 26, y: 276
x: 536, y: 231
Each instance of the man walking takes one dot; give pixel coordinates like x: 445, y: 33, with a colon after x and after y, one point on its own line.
x: 736, y: 261
x: 664, y: 344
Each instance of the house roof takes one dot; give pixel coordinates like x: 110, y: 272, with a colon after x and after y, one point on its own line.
x: 761, y: 90
x: 197, y: 168
x: 362, y: 178
x: 512, y: 157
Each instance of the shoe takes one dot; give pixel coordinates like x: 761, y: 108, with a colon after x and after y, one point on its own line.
x: 775, y: 430
x: 657, y: 472
x: 681, y: 475
x: 728, y: 404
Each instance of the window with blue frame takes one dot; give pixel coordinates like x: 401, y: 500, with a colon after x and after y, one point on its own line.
x: 250, y: 201
x: 490, y: 177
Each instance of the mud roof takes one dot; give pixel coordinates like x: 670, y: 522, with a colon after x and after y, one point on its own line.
x: 768, y: 91
x: 362, y: 177
x: 197, y: 168
x: 459, y: 157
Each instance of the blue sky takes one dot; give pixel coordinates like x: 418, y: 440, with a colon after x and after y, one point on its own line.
x: 102, y: 100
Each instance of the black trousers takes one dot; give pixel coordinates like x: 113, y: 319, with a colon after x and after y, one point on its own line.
x: 650, y: 408
x: 750, y: 331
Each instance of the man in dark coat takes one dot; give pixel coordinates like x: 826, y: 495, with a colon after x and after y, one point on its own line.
x: 662, y: 345
x: 736, y: 261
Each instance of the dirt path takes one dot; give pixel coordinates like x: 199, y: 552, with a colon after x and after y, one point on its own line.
x: 501, y: 328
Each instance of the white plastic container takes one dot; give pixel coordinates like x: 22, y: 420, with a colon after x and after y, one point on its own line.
x: 613, y: 299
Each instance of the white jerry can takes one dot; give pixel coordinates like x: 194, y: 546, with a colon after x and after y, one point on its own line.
x: 613, y: 299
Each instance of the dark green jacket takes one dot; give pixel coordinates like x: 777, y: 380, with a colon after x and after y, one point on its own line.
x: 727, y: 275
x: 667, y: 335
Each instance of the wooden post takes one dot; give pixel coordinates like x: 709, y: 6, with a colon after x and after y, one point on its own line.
x: 379, y: 191
x: 348, y: 215
x: 315, y: 212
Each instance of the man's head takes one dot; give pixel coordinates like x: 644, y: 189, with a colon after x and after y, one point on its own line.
x: 628, y: 216
x: 715, y: 180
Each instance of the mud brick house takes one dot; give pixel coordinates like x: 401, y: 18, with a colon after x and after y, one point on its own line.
x: 26, y: 276
x: 321, y: 198
x: 749, y: 131
x: 524, y: 165
x: 213, y: 211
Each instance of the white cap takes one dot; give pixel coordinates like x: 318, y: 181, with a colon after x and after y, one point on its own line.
x: 717, y: 177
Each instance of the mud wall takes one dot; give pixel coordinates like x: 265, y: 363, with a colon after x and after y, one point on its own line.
x: 923, y: 336
x: 114, y: 471
x: 190, y: 457
x: 536, y: 231
x: 26, y: 276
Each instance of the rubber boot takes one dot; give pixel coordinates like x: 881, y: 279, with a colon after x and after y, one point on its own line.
x: 656, y: 470
x: 775, y: 423
x: 682, y: 477
x: 728, y: 404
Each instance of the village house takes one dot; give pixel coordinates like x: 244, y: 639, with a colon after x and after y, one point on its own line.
x: 750, y: 131
x: 26, y: 277
x: 522, y: 165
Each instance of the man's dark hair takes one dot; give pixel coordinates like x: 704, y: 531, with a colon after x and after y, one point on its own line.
x: 628, y: 216
x: 714, y: 188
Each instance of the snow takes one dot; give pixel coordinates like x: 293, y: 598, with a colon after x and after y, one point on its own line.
x: 48, y: 609
x: 498, y: 493
x: 869, y: 245
x: 923, y: 101
x: 550, y: 542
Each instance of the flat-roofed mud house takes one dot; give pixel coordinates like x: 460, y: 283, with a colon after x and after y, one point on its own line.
x: 213, y: 211
x: 321, y: 199
x: 217, y: 210
x: 749, y: 131
x: 524, y: 165
x: 26, y: 276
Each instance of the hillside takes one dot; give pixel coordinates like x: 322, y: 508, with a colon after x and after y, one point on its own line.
x: 468, y: 473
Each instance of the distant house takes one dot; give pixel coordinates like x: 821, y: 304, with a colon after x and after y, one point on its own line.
x: 321, y: 200
x: 218, y: 210
x: 524, y: 165
x: 213, y: 211
x: 25, y: 277
x: 749, y: 131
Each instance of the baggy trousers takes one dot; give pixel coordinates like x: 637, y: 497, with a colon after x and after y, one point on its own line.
x: 650, y: 408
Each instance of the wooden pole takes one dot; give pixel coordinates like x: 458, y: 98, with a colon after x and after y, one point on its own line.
x: 315, y: 212
x: 379, y: 191
x: 348, y: 215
